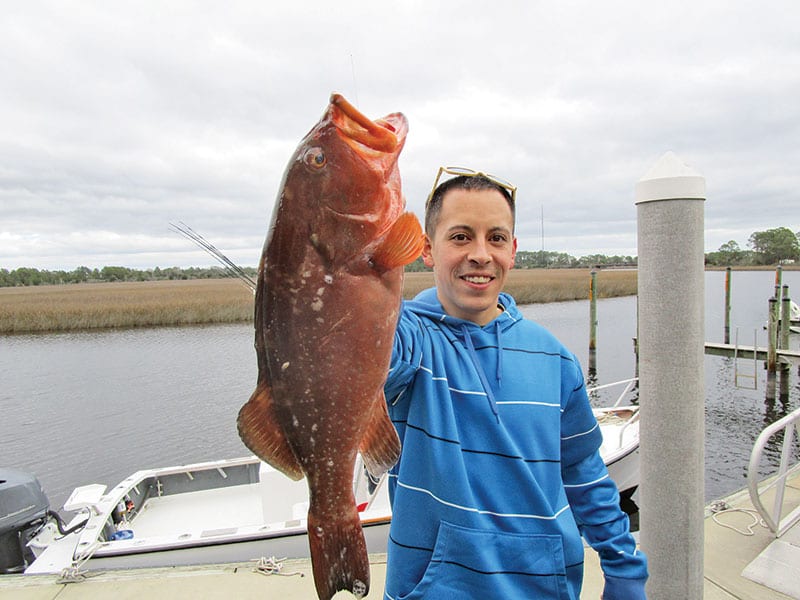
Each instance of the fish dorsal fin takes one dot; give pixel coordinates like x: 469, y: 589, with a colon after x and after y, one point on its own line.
x: 401, y: 245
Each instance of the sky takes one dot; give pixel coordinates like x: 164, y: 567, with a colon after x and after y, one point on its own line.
x: 119, y: 118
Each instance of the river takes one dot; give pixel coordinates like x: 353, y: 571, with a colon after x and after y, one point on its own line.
x: 81, y: 408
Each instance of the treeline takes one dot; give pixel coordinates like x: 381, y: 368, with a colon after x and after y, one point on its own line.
x: 770, y: 247
x: 27, y: 276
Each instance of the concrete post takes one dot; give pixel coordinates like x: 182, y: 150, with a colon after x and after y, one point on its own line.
x: 670, y: 215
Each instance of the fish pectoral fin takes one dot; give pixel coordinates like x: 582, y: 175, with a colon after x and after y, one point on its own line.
x: 262, y: 434
x: 401, y: 245
x: 380, y: 446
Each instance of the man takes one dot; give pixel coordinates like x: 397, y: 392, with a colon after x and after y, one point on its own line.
x: 500, y: 472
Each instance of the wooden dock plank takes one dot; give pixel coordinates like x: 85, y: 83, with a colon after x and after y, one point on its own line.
x: 718, y: 349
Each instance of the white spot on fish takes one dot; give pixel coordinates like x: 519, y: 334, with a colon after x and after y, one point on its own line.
x: 295, y: 422
x: 330, y: 463
x: 285, y: 366
x: 328, y: 279
x: 320, y: 291
x: 317, y: 304
x: 359, y: 588
x: 314, y: 427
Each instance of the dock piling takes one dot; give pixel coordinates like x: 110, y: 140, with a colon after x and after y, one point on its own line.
x: 670, y: 204
x: 593, y: 322
x: 726, y: 338
x: 783, y: 342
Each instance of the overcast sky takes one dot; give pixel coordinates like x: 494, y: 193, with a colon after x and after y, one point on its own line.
x: 117, y: 118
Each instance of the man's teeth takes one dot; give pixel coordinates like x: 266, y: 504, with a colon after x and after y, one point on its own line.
x: 477, y: 279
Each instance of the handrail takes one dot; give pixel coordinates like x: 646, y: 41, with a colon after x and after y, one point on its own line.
x: 776, y: 524
x: 631, y: 383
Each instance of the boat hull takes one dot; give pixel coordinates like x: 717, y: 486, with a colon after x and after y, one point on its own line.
x: 241, y: 510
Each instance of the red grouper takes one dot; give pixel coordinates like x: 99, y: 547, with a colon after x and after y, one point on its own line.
x: 327, y: 302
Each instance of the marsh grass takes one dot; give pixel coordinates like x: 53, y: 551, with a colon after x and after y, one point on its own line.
x: 120, y: 305
x: 532, y: 286
x: 164, y: 303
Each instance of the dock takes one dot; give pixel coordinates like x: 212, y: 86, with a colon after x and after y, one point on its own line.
x: 737, y: 566
x: 744, y: 351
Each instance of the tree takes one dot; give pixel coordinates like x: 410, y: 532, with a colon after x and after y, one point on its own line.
x: 728, y: 254
x: 775, y: 245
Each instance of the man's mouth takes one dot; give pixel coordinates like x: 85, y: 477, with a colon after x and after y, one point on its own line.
x: 477, y: 279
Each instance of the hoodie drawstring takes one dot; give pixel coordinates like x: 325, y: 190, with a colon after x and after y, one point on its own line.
x: 481, y: 374
x: 499, y: 352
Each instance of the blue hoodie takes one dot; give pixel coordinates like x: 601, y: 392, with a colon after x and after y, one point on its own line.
x: 500, y: 472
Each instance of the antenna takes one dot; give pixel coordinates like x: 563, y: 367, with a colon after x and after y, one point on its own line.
x: 353, y: 70
x: 542, y: 228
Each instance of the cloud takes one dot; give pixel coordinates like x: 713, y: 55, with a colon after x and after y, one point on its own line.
x: 117, y: 119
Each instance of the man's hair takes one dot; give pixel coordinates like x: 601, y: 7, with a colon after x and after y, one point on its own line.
x: 461, y: 182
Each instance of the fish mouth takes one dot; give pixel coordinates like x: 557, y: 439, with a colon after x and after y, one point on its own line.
x: 386, y: 135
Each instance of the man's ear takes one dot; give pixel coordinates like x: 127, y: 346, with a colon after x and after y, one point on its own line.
x: 427, y: 256
x: 513, y: 254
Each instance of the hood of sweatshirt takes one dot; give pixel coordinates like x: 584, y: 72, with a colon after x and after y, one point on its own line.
x: 469, y: 335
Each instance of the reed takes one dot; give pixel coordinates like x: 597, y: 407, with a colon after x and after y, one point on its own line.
x: 533, y: 286
x: 201, y: 301
x: 120, y: 305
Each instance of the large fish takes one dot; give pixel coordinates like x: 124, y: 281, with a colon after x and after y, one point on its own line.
x: 326, y: 306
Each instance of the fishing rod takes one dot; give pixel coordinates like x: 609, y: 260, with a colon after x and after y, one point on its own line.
x: 231, y: 268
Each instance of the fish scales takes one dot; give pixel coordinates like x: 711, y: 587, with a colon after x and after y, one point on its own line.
x: 327, y: 301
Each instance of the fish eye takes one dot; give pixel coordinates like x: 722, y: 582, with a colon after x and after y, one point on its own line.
x: 315, y: 157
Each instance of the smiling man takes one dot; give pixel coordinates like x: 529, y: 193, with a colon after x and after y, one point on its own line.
x: 500, y: 473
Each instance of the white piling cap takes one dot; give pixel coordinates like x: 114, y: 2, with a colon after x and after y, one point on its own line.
x: 670, y: 179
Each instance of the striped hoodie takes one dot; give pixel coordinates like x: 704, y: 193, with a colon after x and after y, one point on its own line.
x: 500, y: 473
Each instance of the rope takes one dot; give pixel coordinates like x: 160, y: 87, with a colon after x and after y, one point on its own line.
x: 721, y: 507
x: 272, y: 566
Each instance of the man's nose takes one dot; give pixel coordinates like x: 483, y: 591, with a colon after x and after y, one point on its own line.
x: 479, y: 252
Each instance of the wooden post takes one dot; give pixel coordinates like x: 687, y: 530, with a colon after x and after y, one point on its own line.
x: 772, y: 339
x: 593, y: 322
x: 727, y: 331
x: 772, y: 335
x: 670, y: 204
x: 786, y: 315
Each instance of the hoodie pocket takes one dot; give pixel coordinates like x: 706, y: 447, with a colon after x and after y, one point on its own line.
x: 472, y: 563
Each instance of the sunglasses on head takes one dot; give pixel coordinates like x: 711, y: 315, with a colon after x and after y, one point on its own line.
x: 464, y: 172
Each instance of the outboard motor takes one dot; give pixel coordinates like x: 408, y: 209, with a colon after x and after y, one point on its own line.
x: 23, y: 509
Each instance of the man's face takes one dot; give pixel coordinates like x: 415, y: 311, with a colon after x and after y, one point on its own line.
x: 471, y: 252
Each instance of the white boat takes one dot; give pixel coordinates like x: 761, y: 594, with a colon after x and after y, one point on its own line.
x: 240, y: 510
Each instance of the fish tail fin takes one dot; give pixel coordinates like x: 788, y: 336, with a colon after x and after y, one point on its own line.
x: 261, y: 433
x: 338, y: 555
x: 401, y: 245
x: 380, y: 446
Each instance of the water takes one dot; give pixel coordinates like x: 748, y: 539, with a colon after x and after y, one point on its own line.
x: 94, y: 407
